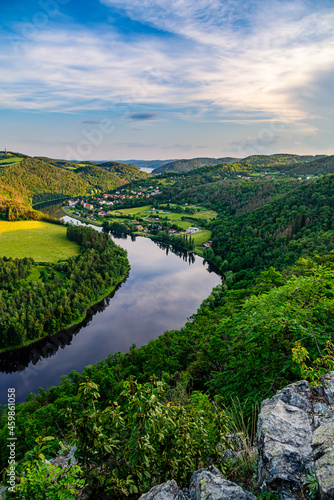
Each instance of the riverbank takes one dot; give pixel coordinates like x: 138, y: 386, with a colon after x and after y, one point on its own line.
x: 108, y: 291
x: 197, y: 250
x: 48, y: 299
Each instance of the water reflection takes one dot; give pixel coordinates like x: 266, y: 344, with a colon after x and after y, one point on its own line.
x: 183, y: 254
x: 165, y: 286
x: 17, y: 360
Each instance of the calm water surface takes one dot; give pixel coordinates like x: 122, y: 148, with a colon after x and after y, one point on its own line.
x: 161, y: 291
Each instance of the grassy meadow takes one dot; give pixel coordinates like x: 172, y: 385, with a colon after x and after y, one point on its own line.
x: 42, y: 241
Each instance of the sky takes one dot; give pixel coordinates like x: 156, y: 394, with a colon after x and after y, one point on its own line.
x: 158, y: 79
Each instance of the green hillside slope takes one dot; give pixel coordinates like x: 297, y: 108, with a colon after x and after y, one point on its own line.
x: 128, y: 172
x: 250, y: 161
x: 34, y: 181
x: 299, y: 223
x: 187, y: 165
x: 278, y: 159
x: 320, y: 166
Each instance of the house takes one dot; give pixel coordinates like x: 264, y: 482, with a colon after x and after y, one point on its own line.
x: 72, y: 203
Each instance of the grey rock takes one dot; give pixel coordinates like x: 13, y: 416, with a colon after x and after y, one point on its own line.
x: 327, y: 382
x: 165, y: 491
x: 210, y: 484
x: 321, y: 408
x: 2, y: 492
x: 323, y: 453
x: 318, y: 391
x: 284, y: 438
x: 297, y: 394
x: 66, y: 459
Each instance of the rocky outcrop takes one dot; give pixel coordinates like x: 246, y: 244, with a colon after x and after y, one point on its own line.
x: 65, y: 460
x: 323, y: 453
x: 284, y: 440
x: 295, y: 440
x: 295, y: 437
x: 205, y: 484
x: 165, y: 491
x: 210, y: 484
x: 327, y: 382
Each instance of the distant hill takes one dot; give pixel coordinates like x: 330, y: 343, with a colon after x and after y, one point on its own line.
x: 188, y: 165
x: 148, y: 163
x: 125, y: 171
x: 278, y: 159
x: 10, y: 158
x: 69, y: 165
x: 33, y: 181
x: 323, y: 165
x: 129, y: 172
x: 253, y: 161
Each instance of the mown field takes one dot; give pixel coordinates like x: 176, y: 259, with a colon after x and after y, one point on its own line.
x: 42, y: 241
x: 4, y: 162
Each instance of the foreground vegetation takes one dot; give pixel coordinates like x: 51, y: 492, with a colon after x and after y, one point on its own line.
x: 144, y: 430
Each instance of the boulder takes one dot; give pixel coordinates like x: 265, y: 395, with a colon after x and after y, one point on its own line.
x: 210, y: 484
x: 323, y: 453
x: 284, y: 440
x: 65, y: 460
x: 165, y: 491
x: 327, y: 382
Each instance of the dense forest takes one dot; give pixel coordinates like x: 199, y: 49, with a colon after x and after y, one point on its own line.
x: 31, y: 308
x: 32, y: 181
x: 286, y: 161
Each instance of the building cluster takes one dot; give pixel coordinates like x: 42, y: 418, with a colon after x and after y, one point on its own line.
x: 125, y: 195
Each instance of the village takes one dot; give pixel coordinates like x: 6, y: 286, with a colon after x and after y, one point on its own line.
x: 144, y: 219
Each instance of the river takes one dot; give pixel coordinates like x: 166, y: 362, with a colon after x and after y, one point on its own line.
x: 162, y: 290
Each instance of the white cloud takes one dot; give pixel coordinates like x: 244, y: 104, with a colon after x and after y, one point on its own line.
x: 255, y: 60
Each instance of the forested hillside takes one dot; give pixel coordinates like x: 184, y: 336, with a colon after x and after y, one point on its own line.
x: 261, y: 221
x: 128, y: 172
x: 256, y: 161
x: 220, y: 188
x: 297, y: 224
x: 188, y: 165
x: 33, y: 181
x: 316, y: 167
x: 278, y: 159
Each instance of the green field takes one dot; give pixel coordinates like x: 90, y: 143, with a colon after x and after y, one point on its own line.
x: 202, y: 237
x: 42, y: 241
x: 142, y: 211
x: 9, y: 161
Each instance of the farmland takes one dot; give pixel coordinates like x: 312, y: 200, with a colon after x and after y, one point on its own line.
x: 42, y: 241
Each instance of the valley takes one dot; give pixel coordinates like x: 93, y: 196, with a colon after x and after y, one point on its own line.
x: 194, y: 330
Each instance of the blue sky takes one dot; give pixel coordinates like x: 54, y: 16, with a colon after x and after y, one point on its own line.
x: 144, y: 79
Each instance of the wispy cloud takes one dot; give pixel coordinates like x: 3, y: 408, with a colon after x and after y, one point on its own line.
x: 223, y: 58
x: 92, y: 122
x: 143, y: 116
